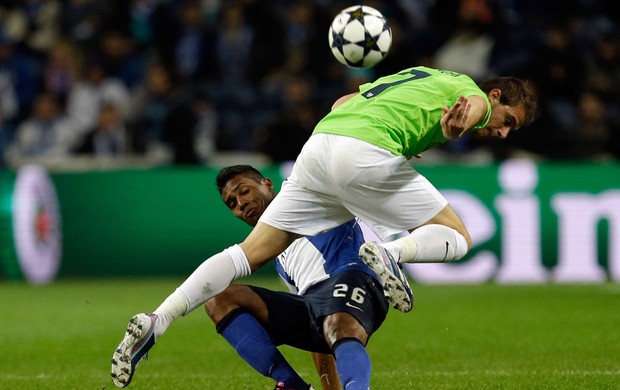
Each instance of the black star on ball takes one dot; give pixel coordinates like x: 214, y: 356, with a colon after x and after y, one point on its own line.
x: 338, y: 41
x: 357, y: 14
x: 369, y: 43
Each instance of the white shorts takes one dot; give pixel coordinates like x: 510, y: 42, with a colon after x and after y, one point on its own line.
x: 337, y: 178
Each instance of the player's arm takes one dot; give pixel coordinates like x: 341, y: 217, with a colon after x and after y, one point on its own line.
x: 326, y: 367
x: 466, y: 113
x: 343, y: 99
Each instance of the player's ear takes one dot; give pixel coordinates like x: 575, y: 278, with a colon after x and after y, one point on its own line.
x: 268, y: 183
x: 495, y: 94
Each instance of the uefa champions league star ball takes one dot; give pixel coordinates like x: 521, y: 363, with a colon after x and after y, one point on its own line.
x: 360, y: 36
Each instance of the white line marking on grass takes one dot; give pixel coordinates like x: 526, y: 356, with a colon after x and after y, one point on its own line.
x: 522, y: 373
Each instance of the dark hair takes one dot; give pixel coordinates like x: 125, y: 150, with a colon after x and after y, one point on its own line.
x: 233, y: 171
x: 515, y: 92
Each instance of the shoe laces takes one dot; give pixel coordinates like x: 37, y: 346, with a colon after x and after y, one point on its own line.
x: 389, y: 260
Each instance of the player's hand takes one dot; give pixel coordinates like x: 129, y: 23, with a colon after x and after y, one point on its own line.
x: 454, y: 119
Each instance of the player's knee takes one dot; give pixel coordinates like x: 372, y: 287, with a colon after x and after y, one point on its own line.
x: 222, y: 304
x: 214, y: 310
x: 343, y: 325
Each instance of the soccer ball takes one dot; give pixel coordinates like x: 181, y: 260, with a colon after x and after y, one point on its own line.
x: 360, y: 36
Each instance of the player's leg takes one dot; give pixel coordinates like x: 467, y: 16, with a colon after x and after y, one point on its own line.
x: 295, y: 211
x: 442, y: 238
x: 391, y: 197
x: 262, y: 245
x: 382, y: 189
x: 352, y: 306
x: 239, y: 314
x: 347, y: 338
x: 210, y: 278
x: 326, y: 368
x: 289, y: 322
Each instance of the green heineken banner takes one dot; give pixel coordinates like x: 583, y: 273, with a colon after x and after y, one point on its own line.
x: 530, y: 223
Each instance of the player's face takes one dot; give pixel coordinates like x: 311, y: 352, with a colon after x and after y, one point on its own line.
x: 504, y: 119
x: 246, y: 198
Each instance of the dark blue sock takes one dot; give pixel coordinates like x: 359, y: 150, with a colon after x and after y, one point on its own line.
x: 353, y: 364
x: 254, y: 345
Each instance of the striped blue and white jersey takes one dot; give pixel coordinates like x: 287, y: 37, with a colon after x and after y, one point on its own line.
x: 309, y: 260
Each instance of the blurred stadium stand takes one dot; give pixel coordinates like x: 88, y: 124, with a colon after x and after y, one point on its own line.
x: 231, y: 69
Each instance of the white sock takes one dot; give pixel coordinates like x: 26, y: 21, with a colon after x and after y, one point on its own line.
x: 429, y: 244
x: 438, y: 244
x: 209, y: 279
x: 172, y: 308
x: 402, y: 249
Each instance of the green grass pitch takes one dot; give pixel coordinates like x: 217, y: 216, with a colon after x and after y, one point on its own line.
x: 62, y: 336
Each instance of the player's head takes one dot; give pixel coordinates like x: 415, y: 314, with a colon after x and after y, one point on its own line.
x: 245, y: 191
x: 513, y: 104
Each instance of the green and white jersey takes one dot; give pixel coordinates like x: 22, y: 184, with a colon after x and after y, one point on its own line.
x: 401, y: 112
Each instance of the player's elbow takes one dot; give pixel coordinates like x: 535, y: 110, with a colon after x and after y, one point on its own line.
x: 449, y: 136
x: 454, y: 133
x: 342, y: 100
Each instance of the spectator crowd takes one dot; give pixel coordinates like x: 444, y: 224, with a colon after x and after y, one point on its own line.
x: 179, y: 82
